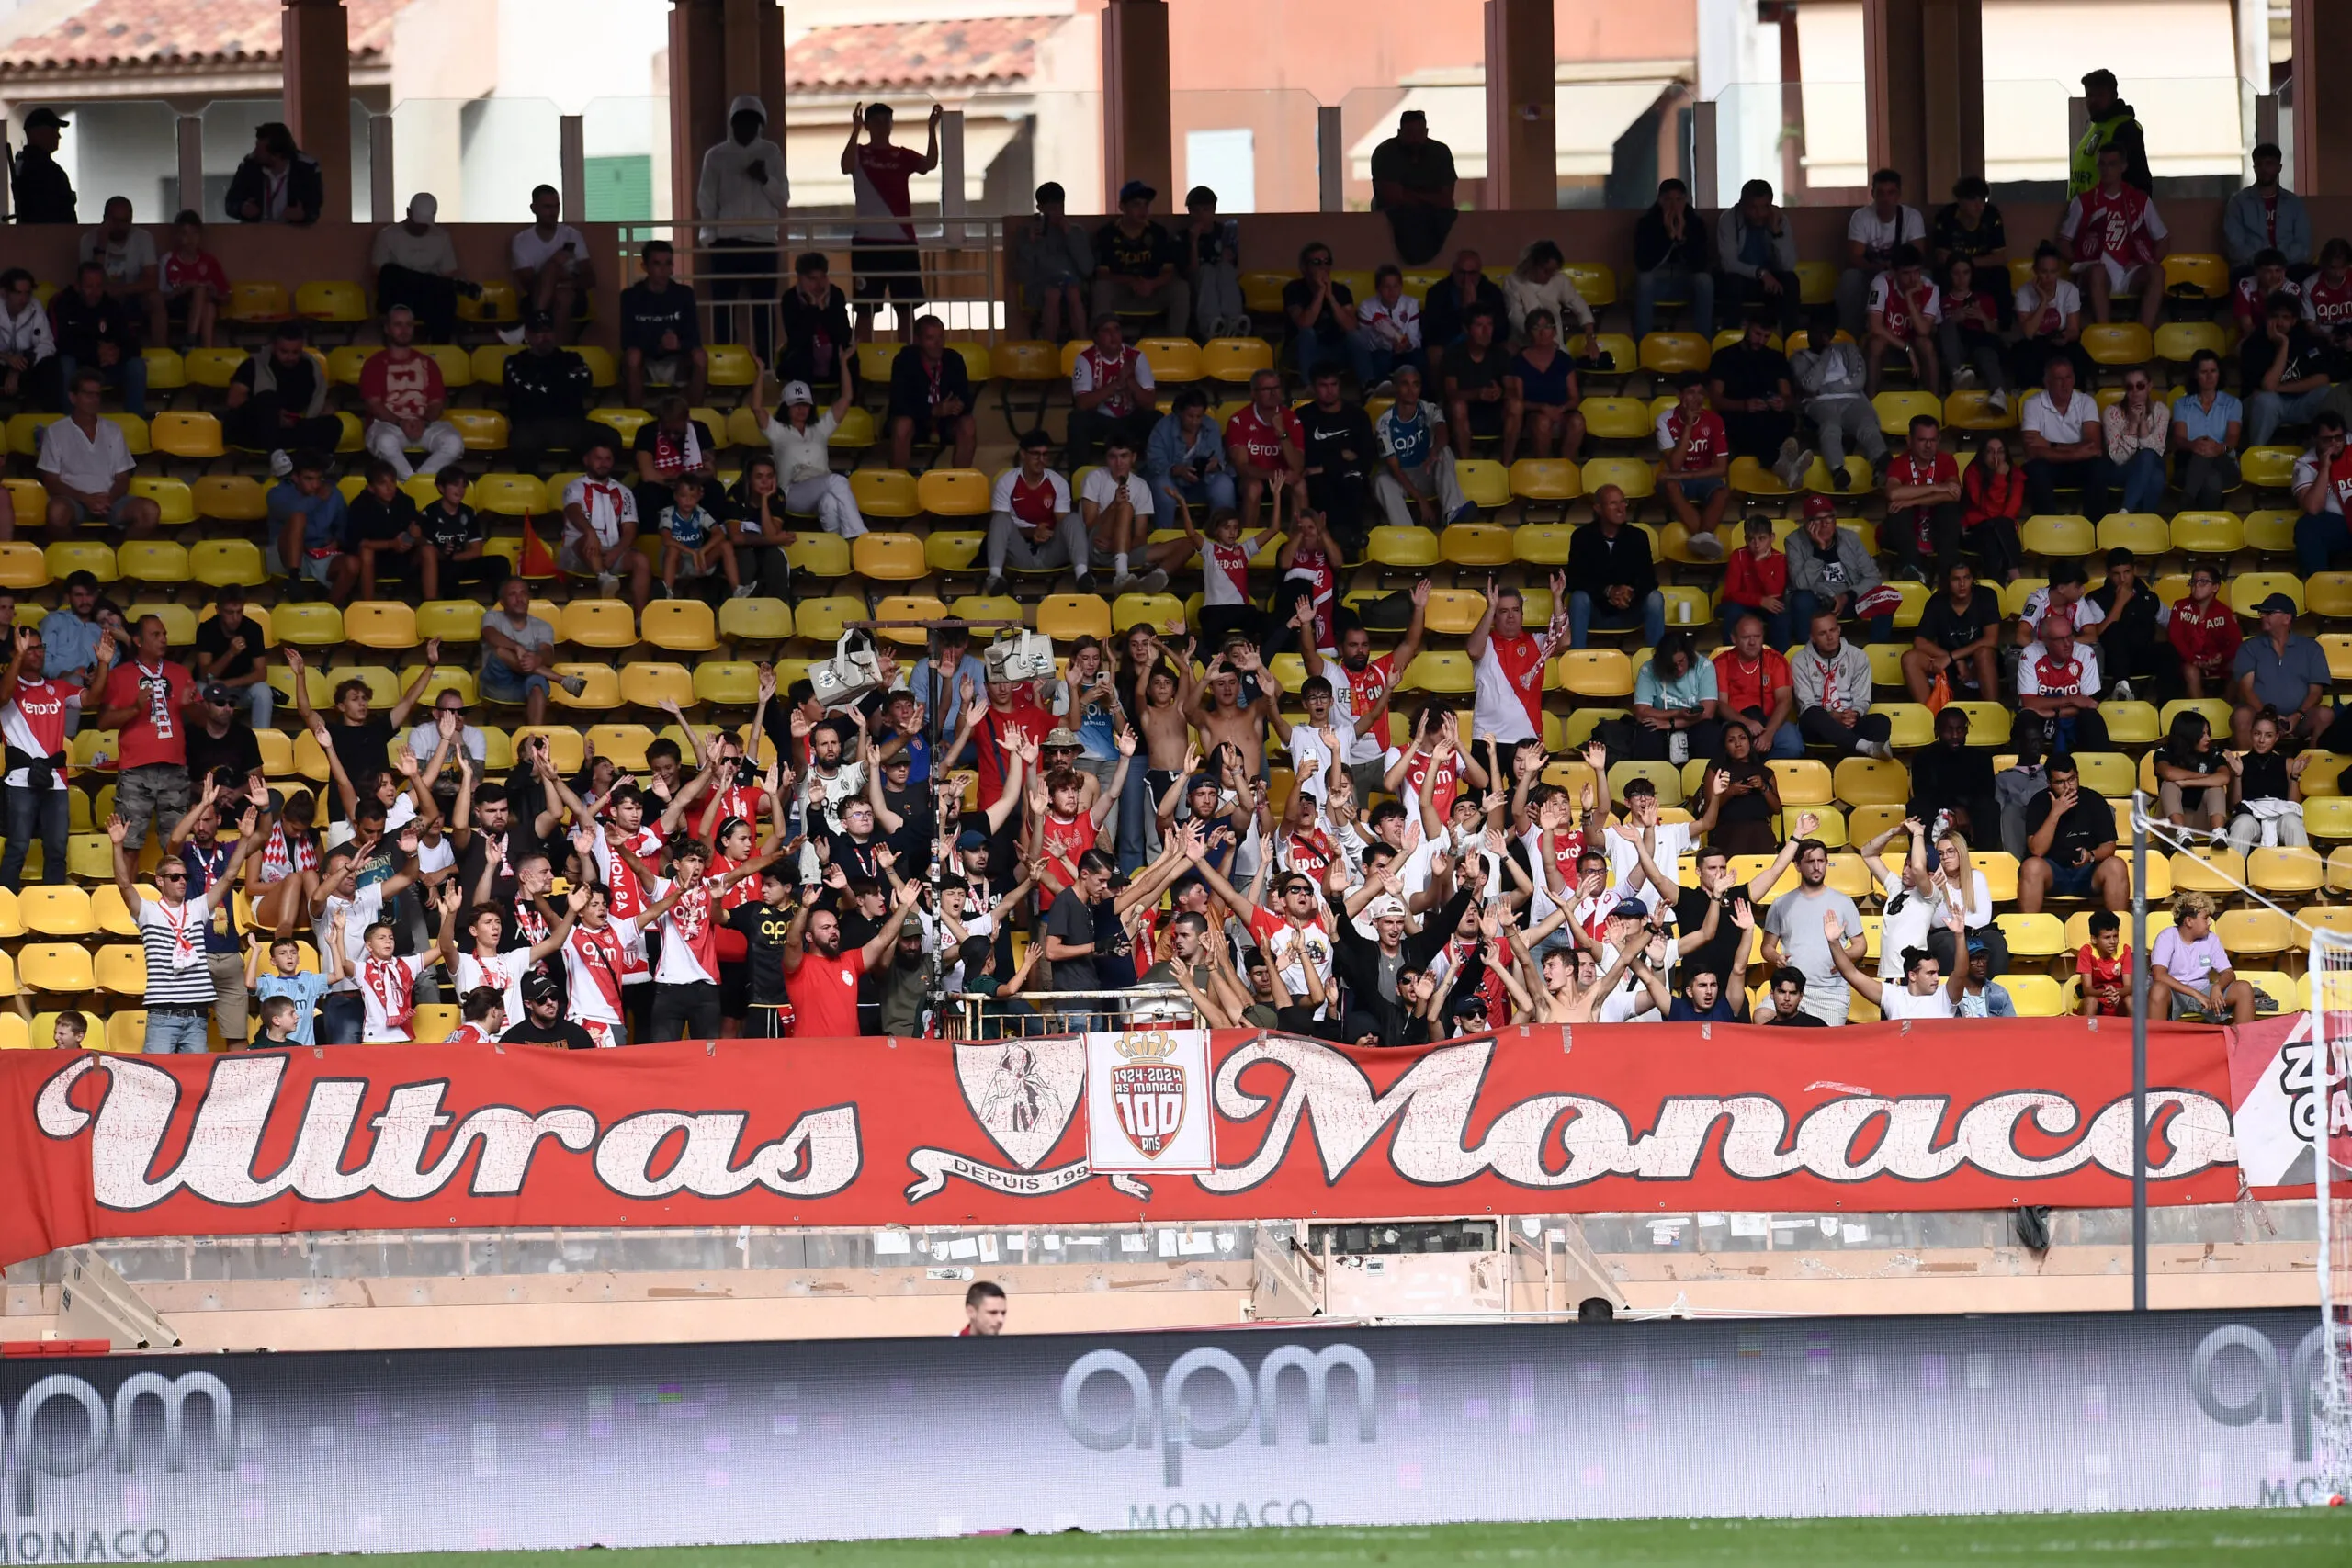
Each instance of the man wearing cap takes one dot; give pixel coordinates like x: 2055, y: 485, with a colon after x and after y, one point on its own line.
x: 548, y: 389
x: 1135, y: 264
x: 543, y: 1022
x: 741, y: 195
x: 416, y: 265
x: 2281, y: 669
x: 1830, y: 573
x: 1377, y: 969
x: 39, y: 188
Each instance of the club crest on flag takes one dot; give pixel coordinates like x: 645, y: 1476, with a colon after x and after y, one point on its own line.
x: 1147, y: 1089
x: 1148, y: 1102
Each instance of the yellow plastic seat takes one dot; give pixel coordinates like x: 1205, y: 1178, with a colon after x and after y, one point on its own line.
x: 22, y: 565
x: 886, y: 493
x: 490, y: 362
x: 1235, y: 359
x: 336, y: 302
x: 1478, y: 544
x: 152, y: 561
x: 2329, y: 594
x: 821, y: 620
x: 820, y: 555
x: 645, y: 684
x: 2268, y: 467
x: 2208, y: 871
x: 2033, y: 936
x: 1617, y: 419
x: 1405, y: 549
x: 1672, y: 353
x: 61, y: 967
x: 1912, y: 725
x: 2143, y: 533
x: 566, y: 748
x: 120, y: 968
x: 186, y: 434
x: 952, y: 551
x: 919, y: 611
x: 1173, y: 360
x: 726, y: 683
x: 2286, y: 871
x: 729, y: 365
x: 2177, y: 343
x: 1068, y: 616
x: 2197, y: 274
x: 496, y: 303
x: 1597, y: 281
x: 70, y: 556
x: 60, y: 909
x: 1453, y: 612
x: 1817, y: 283
x: 680, y: 625
x: 754, y: 619
x: 255, y: 301
x: 1543, y: 544
x: 597, y: 623
x: 214, y: 367
x: 380, y: 624
x: 2330, y: 817
x: 2248, y: 589
x: 2118, y: 343
x: 600, y: 689
x: 1544, y: 479
x: 889, y: 557
x: 1599, y: 673
x: 953, y: 492
x: 2058, y: 537
x: 1749, y: 477
x: 1485, y: 484
x: 1157, y: 611
x: 2208, y: 532
x: 1802, y: 782
x: 1026, y: 360
x: 1636, y: 478
x: 1972, y: 409
x: 1859, y: 479
x: 1664, y: 777
x: 623, y: 422
x: 1866, y: 781
x: 1897, y: 410
x: 1446, y: 672
x: 511, y: 495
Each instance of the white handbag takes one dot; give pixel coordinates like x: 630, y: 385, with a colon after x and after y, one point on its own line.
x: 1021, y: 656
x: 848, y: 675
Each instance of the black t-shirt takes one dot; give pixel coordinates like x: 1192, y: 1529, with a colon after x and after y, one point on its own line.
x: 1471, y: 376
x: 816, y: 337
x: 1945, y: 780
x: 645, y: 315
x: 857, y: 861
x: 553, y: 386
x: 450, y: 532
x: 669, y: 451
x: 563, y: 1032
x: 1299, y: 291
x: 380, y: 521
x: 2307, y: 355
x: 1750, y: 372
x: 237, y: 750
x: 2135, y: 624
x: 296, y: 383
x: 226, y: 666
x: 1134, y: 255
x: 1948, y: 235
x: 1691, y: 914
x: 1952, y: 629
x: 1073, y: 922
x: 364, y: 748
x: 919, y: 824
x: 1445, y: 314
x: 2262, y: 776
x: 1798, y: 1020
x: 2090, y: 824
x: 1338, y: 441
x: 764, y: 927
x: 1752, y: 808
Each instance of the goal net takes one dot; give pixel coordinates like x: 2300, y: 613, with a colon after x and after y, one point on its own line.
x: 2322, y: 1112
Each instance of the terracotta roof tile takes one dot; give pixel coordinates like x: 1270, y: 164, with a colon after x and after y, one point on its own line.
x: 152, y: 32
x: 888, y: 54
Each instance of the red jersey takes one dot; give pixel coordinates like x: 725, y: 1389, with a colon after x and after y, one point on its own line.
x: 405, y: 387
x: 591, y: 961
x: 625, y: 897
x: 1905, y: 469
x: 1519, y: 661
x: 1314, y: 568
x: 1038, y: 505
x: 1708, y: 440
x: 1365, y: 691
x: 1310, y: 853
x: 2250, y: 302
x: 174, y: 270
x: 1225, y: 573
x: 1261, y: 439
x: 1909, y: 312
x: 879, y: 182
x: 2100, y: 973
x: 824, y: 995
x: 1741, y: 686
x: 2113, y: 226
x: 1063, y: 842
x: 2329, y: 305
x: 466, y: 1034
x: 35, y: 722
x: 2208, y: 638
x: 999, y: 726
x: 1438, y: 785
x: 1751, y: 580
x: 159, y: 735
x: 2337, y: 478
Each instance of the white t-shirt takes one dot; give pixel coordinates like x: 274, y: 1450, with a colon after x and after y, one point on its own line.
x: 1497, y: 708
x: 1895, y: 1000
x: 530, y: 249
x: 1386, y: 324
x: 1673, y: 843
x: 361, y: 910
x: 2080, y: 614
x: 84, y: 462
x: 502, y: 974
x: 386, y: 989
x: 123, y: 261
x: 2067, y: 298
x: 1883, y: 235
x: 2060, y: 427
x: 1000, y: 497
x: 1905, y: 927
x: 689, y: 935
x: 592, y: 967
x: 606, y: 502
x: 1103, y: 490
x: 1310, y: 761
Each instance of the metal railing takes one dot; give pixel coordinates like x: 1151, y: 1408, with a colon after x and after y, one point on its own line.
x: 1033, y: 1014
x: 739, y: 270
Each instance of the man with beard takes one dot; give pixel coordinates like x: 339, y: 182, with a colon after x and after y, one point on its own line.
x: 1793, y: 934
x: 543, y: 1022
x: 821, y: 979
x: 1377, y: 970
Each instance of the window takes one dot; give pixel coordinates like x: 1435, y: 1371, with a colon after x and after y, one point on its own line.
x: 1225, y: 162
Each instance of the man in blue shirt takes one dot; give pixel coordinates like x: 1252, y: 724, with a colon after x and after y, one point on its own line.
x: 1415, y: 480
x: 2282, y: 670
x: 308, y: 517
x: 951, y: 664
x: 69, y: 636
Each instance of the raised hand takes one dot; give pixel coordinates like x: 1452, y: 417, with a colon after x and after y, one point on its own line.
x: 118, y: 830
x: 1832, y: 927
x: 404, y: 759
x: 1127, y: 740
x: 1743, y: 915
x: 908, y: 893
x: 1807, y: 823
x: 577, y: 900
x: 836, y: 878
x: 1421, y: 593
x: 801, y: 725
x: 431, y: 652
x: 1719, y: 783
x: 451, y: 897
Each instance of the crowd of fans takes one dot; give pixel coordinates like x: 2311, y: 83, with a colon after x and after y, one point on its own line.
x: 1117, y: 836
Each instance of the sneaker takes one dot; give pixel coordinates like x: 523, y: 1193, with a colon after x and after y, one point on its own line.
x: 608, y: 584
x: 1152, y: 581
x: 1705, y: 547
x: 281, y: 463
x: 1385, y: 389
x: 2122, y: 692
x: 992, y: 587
x: 572, y: 684
x: 1122, y: 583
x: 1840, y: 477
x: 1878, y: 749
x: 1794, y: 461
x: 510, y: 334
x: 1963, y: 376
x: 743, y: 591
x: 1999, y: 401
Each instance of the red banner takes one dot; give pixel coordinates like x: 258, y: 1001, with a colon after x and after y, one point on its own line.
x: 1595, y: 1118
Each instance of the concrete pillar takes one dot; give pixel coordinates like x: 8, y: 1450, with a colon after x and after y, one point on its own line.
x: 755, y: 57
x: 1523, y: 122
x: 697, y: 96
x: 383, y: 187
x: 1924, y: 91
x: 191, y: 151
x: 316, y: 41
x: 2323, y: 32
x: 1330, y: 160
x: 1137, y: 143
x: 952, y: 202
x: 572, y: 164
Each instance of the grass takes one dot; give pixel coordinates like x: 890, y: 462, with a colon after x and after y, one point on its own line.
x: 2272, y: 1539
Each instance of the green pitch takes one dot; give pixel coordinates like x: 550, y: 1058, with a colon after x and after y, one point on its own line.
x: 2282, y: 1538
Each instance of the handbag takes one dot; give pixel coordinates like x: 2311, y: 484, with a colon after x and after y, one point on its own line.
x: 848, y: 675
x: 1021, y: 656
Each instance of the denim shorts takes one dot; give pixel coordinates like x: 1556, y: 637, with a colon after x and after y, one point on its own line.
x: 1696, y: 491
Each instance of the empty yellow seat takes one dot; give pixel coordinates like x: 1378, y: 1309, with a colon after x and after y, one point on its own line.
x: 680, y: 625
x: 1068, y: 616
x: 953, y: 492
x: 1405, y: 548
x: 889, y: 557
x: 380, y: 624
x: 598, y: 623
x: 1478, y: 544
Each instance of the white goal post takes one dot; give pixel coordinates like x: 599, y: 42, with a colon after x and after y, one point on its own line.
x: 2324, y: 1115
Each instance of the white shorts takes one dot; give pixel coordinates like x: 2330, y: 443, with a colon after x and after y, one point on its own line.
x: 2120, y: 280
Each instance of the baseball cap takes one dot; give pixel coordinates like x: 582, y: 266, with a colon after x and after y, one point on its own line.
x: 1134, y: 188
x: 539, y: 987
x: 1819, y: 506
x: 2276, y: 603
x: 214, y: 692
x: 42, y: 117
x: 1384, y: 907
x: 971, y: 839
x: 1630, y: 910
x: 797, y: 392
